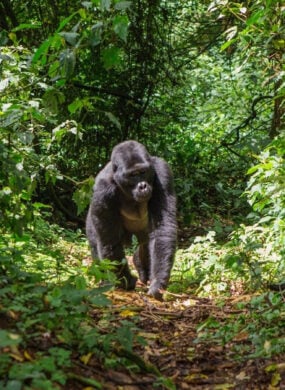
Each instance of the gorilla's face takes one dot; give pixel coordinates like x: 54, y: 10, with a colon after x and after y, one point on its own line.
x: 133, y: 172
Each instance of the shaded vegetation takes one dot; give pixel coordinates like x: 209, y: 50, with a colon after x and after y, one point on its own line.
x: 202, y: 85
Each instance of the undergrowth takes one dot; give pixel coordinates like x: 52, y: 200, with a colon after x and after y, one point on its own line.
x: 54, y: 311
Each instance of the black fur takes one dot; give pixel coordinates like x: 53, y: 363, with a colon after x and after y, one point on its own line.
x: 133, y: 194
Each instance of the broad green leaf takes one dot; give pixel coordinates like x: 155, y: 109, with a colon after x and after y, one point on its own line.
x: 76, y: 105
x: 96, y: 33
x: 43, y: 49
x: 227, y: 44
x: 100, y: 300
x: 11, y: 118
x: 254, y: 18
x: 113, y: 119
x: 87, y: 4
x: 27, y: 26
x: 70, y: 37
x: 123, y: 5
x: 111, y: 57
x: 120, y: 25
x: 53, y: 99
x: 67, y: 61
x: 105, y: 5
x: 83, y: 194
x: 65, y: 22
x: 14, y: 385
x: 8, y: 339
x: 53, y: 70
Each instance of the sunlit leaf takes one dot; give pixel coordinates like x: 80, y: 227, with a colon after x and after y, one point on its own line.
x: 27, y: 26
x: 255, y: 17
x: 9, y: 339
x: 85, y: 358
x: 128, y: 313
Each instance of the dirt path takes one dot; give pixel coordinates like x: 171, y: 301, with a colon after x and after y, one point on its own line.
x: 170, y: 329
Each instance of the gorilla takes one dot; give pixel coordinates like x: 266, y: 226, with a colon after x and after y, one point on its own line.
x: 134, y: 195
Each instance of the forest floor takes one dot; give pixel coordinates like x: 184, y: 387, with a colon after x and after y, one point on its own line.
x: 184, y: 342
x: 170, y: 329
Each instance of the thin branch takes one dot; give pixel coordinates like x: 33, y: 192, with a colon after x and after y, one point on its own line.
x: 252, y: 115
x: 101, y: 90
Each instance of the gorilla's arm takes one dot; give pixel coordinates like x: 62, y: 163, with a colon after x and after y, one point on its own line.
x: 104, y: 217
x: 104, y: 226
x: 164, y: 228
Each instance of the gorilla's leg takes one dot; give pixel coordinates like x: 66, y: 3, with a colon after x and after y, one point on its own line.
x: 115, y: 252
x: 127, y: 281
x: 91, y: 235
x: 160, y: 267
x: 142, y: 262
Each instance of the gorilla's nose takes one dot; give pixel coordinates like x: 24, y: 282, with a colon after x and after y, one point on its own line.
x: 143, y: 186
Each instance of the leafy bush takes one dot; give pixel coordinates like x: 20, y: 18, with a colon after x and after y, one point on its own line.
x: 51, y: 305
x: 257, y: 332
x: 266, y: 194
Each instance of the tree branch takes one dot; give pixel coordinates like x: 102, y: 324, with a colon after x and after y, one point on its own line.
x: 245, y: 123
x: 101, y: 90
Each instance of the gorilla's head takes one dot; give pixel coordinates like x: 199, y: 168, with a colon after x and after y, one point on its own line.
x: 133, y: 171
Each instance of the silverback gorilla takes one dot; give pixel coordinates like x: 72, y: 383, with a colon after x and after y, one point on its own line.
x: 134, y: 195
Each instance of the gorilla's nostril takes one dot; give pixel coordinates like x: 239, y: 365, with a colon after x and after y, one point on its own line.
x: 142, y: 186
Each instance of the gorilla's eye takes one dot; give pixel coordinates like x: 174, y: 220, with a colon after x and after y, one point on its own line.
x: 137, y: 173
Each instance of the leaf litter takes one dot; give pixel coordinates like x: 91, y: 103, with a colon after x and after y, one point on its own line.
x: 175, y: 353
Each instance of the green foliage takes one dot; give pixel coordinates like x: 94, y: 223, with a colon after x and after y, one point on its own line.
x: 252, y: 260
x: 49, y: 298
x: 207, y: 267
x: 46, y: 371
x: 202, y: 86
x: 260, y: 324
x: 106, y: 73
x: 267, y: 183
x: 255, y: 253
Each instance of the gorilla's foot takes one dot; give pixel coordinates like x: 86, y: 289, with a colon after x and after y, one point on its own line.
x: 127, y: 282
x: 156, y: 290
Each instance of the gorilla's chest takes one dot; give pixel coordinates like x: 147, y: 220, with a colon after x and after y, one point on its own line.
x: 135, y: 217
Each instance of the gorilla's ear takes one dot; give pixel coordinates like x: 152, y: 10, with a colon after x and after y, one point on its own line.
x: 114, y: 167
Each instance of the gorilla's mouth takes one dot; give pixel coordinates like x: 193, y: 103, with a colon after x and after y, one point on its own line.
x: 142, y: 196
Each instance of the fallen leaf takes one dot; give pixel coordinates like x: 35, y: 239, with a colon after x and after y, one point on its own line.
x: 128, y: 313
x: 28, y: 356
x: 150, y: 336
x: 189, y: 302
x: 85, y: 358
x: 17, y: 356
x: 275, y: 379
x: 242, y: 336
x: 195, y: 376
x: 241, y: 376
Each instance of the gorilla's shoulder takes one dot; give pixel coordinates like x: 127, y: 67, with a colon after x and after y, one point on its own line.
x: 104, y: 186
x: 159, y: 163
x: 105, y: 176
x: 162, y: 169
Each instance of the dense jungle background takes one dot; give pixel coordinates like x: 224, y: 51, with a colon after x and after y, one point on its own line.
x: 201, y: 84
